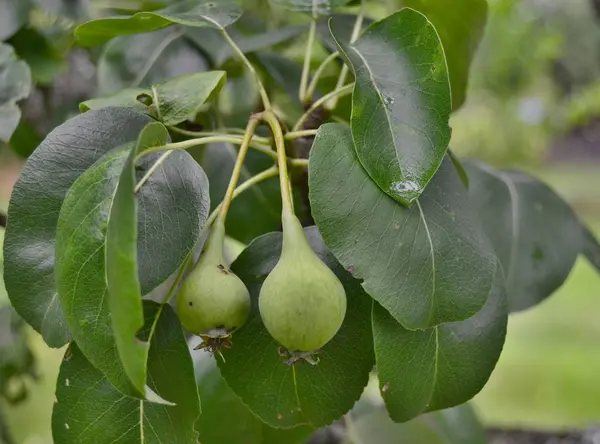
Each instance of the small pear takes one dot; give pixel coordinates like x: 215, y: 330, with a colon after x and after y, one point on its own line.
x: 213, y: 301
x: 302, y: 303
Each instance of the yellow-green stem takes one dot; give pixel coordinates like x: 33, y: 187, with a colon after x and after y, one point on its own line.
x: 293, y: 135
x: 307, y: 56
x: 286, y: 191
x: 237, y: 168
x: 318, y: 73
x: 336, y: 93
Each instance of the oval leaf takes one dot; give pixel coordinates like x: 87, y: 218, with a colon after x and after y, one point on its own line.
x: 198, y: 13
x: 89, y: 410
x: 37, y: 197
x: 401, y: 102
x: 242, y: 426
x: 437, y: 368
x: 142, y: 60
x: 172, y: 101
x: 81, y: 249
x: 286, y: 396
x: 460, y: 28
x: 15, y: 85
x: 536, y: 234
x: 427, y: 264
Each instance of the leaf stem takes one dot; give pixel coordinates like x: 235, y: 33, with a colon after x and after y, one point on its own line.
x: 318, y: 73
x: 355, y: 33
x: 335, y: 93
x: 293, y: 135
x: 286, y: 191
x: 237, y: 168
x: 222, y: 132
x: 263, y: 92
x: 307, y: 59
x: 151, y: 171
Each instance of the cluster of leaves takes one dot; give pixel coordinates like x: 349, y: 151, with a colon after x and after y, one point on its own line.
x: 433, y: 253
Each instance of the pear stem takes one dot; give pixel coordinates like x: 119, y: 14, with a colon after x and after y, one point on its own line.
x: 237, y: 168
x: 284, y: 180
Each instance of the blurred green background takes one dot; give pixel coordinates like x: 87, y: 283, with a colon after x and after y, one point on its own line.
x: 533, y: 103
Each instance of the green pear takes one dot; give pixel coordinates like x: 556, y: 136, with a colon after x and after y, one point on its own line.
x: 212, y: 298
x: 302, y: 303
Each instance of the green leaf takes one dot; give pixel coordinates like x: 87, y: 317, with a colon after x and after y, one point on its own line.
x: 63, y: 156
x: 315, y: 7
x: 288, y: 396
x: 440, y: 367
x: 142, y: 60
x: 13, y: 15
x: 15, y: 85
x: 212, y: 43
x: 173, y: 209
x: 261, y: 204
x: 44, y: 60
x: 401, y: 102
x: 124, y: 291
x: 242, y: 426
x: 536, y: 235
x: 197, y: 13
x: 457, y: 425
x: 344, y: 27
x: 89, y: 410
x: 591, y: 247
x: 170, y: 102
x: 460, y: 28
x: 427, y: 264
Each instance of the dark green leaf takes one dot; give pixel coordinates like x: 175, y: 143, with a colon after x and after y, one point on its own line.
x: 315, y: 7
x: 261, y: 204
x: 173, y: 209
x: 536, y: 235
x: 121, y: 268
x: 284, y: 73
x: 591, y: 247
x: 460, y: 28
x: 89, y: 410
x: 457, y: 425
x: 15, y: 85
x: 242, y: 426
x: 401, y: 102
x: 171, y: 102
x: 344, y: 27
x: 13, y: 15
x: 440, y: 367
x: 45, y: 61
x: 427, y: 264
x: 197, y: 13
x: 50, y: 171
x: 25, y: 139
x: 212, y: 43
x: 143, y: 60
x: 288, y: 396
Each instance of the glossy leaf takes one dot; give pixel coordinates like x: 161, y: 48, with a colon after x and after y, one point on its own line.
x: 37, y: 197
x: 286, y: 396
x: 212, y: 43
x: 457, y: 425
x: 170, y: 102
x: 81, y: 238
x: 15, y: 85
x: 261, y: 204
x: 536, y: 235
x: 440, y: 367
x: 427, y: 264
x: 124, y: 291
x: 13, y: 15
x: 142, y: 60
x: 89, y: 410
x: 197, y: 13
x: 401, y: 102
x: 591, y: 247
x: 460, y: 28
x: 316, y: 7
x: 242, y: 426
